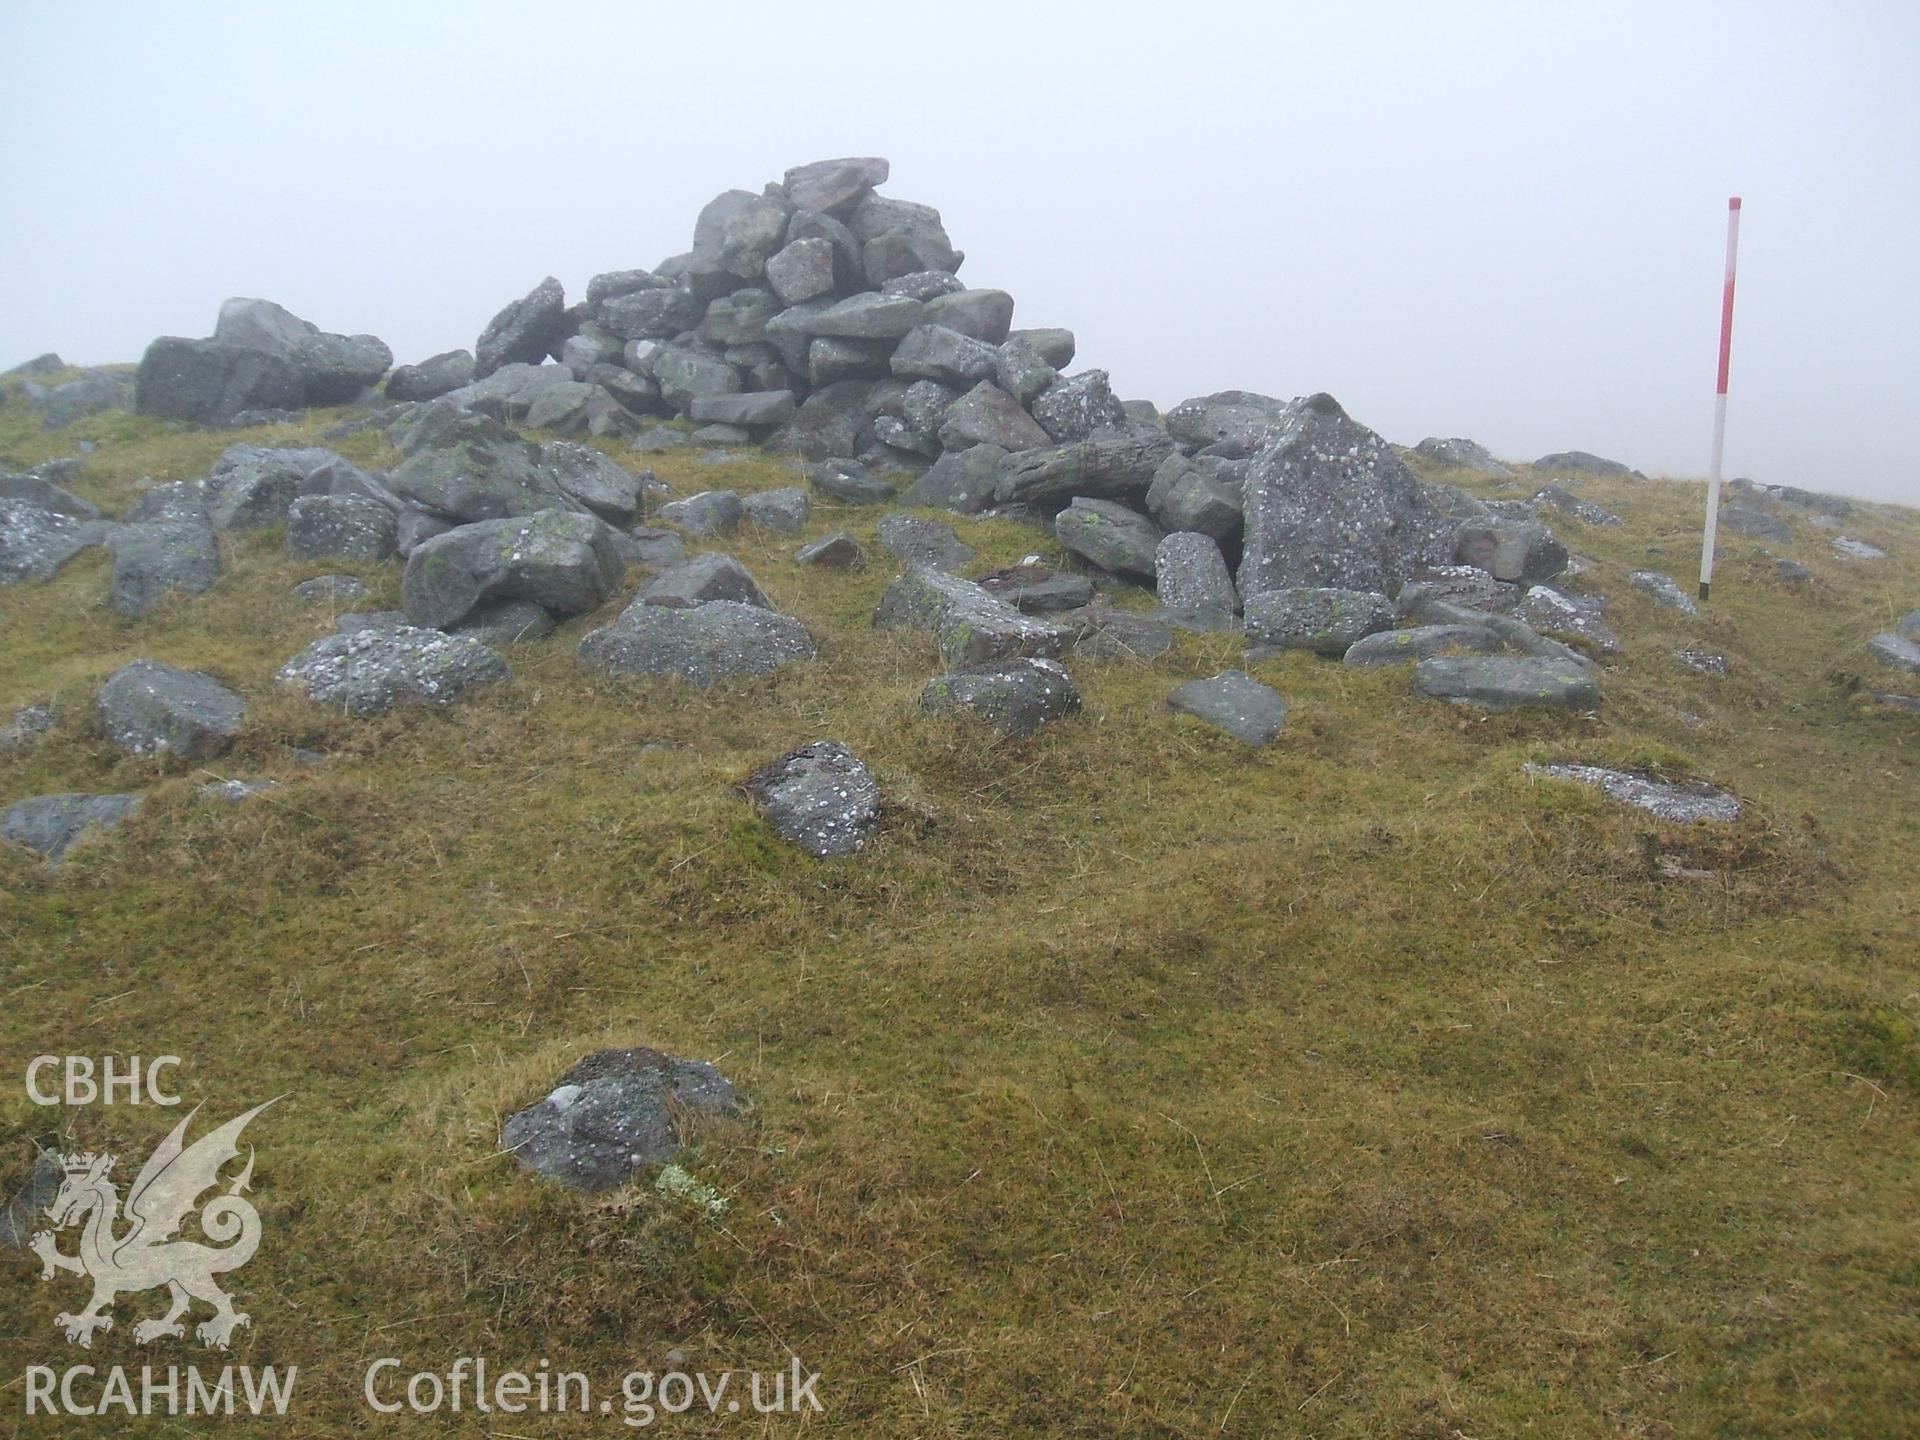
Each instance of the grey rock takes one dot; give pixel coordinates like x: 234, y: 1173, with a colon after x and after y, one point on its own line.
x: 785, y: 509
x: 924, y: 285
x: 50, y: 825
x: 1235, y: 702
x: 1184, y: 495
x: 987, y: 415
x: 1051, y: 344
x: 1404, y: 647
x: 828, y: 422
x: 1190, y: 574
x: 1790, y: 572
x: 1103, y: 633
x: 40, y: 492
x: 1514, y: 635
x: 1037, y: 589
x: 1558, y: 613
x: 1110, y: 535
x: 981, y: 314
x: 357, y: 620
x: 717, y: 436
x: 753, y: 408
x: 819, y: 797
x: 335, y: 369
x: 835, y: 186
x: 524, y: 331
x: 433, y: 377
x: 349, y: 525
x: 235, y: 792
x: 899, y: 237
x: 24, y: 1214
x: 1327, y: 621
x: 1896, y: 651
x: 1664, y: 589
x: 713, y: 642
x: 1019, y: 370
x: 929, y: 543
x: 960, y: 480
x: 802, y: 270
x: 830, y: 359
x: 646, y: 545
x: 848, y: 272
x: 209, y: 382
x: 1579, y: 462
x: 710, y: 513
x: 937, y: 352
x: 36, y: 543
x: 869, y: 316
x: 702, y: 579
x: 1908, y: 625
x: 1683, y: 803
x: 504, y: 622
x: 1112, y: 465
x: 592, y: 348
x: 1461, y: 584
x: 1568, y: 503
x: 1328, y: 504
x: 413, y: 527
x: 653, y: 313
x: 25, y: 727
x: 1235, y: 420
x: 330, y: 587
x: 1499, y: 682
x: 561, y: 560
x: 562, y: 407
x: 850, y: 481
x: 838, y: 551
x: 1460, y: 454
x: 1858, y: 549
x: 371, y: 671
x: 613, y: 1115
x: 147, y: 708
x: 252, y: 486
x: 91, y: 394
x: 740, y: 318
x: 1015, y: 697
x: 151, y: 561
x: 1076, y: 406
x: 1705, y: 662
x: 1512, y: 552
x: 1757, y: 523
x: 686, y: 375
x: 480, y: 471
x: 47, y: 364
x: 970, y: 625
x: 589, y: 478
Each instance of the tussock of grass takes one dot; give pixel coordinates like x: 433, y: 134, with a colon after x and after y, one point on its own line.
x: 1131, y: 1081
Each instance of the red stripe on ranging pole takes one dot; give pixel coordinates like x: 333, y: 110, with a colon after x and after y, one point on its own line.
x: 1720, y: 398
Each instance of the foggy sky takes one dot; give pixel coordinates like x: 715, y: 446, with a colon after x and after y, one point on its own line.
x: 1498, y: 221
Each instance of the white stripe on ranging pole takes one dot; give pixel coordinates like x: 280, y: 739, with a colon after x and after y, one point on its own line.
x: 1720, y: 397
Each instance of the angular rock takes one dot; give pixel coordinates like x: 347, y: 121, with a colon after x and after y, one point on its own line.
x: 1460, y: 584
x: 153, y: 560
x: 36, y: 490
x: 830, y: 359
x: 50, y: 825
x: 819, y: 797
x: 970, y: 625
x: 1190, y: 575
x: 802, y: 270
x: 36, y: 543
x: 480, y: 471
x: 717, y: 641
x: 64, y: 404
x: 330, y: 587
x: 710, y: 513
x: 1682, y: 803
x: 827, y: 424
x: 1234, y: 420
x: 1076, y: 406
x: 1404, y: 647
x: 1664, y: 589
x: 337, y: 368
x: 687, y: 375
x: 899, y: 237
x: 785, y: 509
x: 651, y: 547
x: 1558, y: 613
x: 702, y: 579
x: 562, y: 407
x: 835, y: 186
x: 838, y: 551
x: 960, y: 480
x: 1103, y: 633
x: 1235, y: 702
x: 1757, y: 523
x: 1038, y: 590
x: 980, y: 314
x: 561, y: 560
x: 850, y: 481
x: 1579, y: 462
x: 413, y: 527
x: 1183, y: 495
x: 1498, y: 682
x: 928, y: 543
x: 1113, y: 465
x: 349, y: 525
x: 616, y: 1113
x: 936, y: 352
x: 1568, y: 503
x: 1053, y: 345
x: 1511, y: 552
x: 1896, y: 651
x: 504, y: 622
x: 1118, y: 540
x: 371, y: 671
x: 524, y: 331
x: 1327, y: 621
x: 869, y: 316
x: 753, y: 408
x: 1459, y: 454
x: 1019, y: 370
x: 210, y: 383
x: 740, y: 318
x: 147, y: 708
x: 924, y: 285
x: 1016, y: 697
x: 590, y: 479
x: 25, y: 727
x: 654, y: 313
x: 433, y: 377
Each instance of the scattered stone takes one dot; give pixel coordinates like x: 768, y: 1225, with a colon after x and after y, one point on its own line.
x: 153, y: 560
x: 1706, y: 662
x: 1190, y: 575
x: 1579, y: 462
x: 1896, y: 651
x: 438, y: 375
x: 971, y: 625
x: 213, y: 383
x: 710, y: 513
x: 35, y: 489
x: 838, y: 551
x: 1497, y: 682
x: 561, y: 560
x: 50, y: 825
x: 1016, y: 696
x: 1756, y: 523
x: 347, y: 525
x: 1235, y: 702
x: 500, y: 623
x: 330, y: 587
x: 661, y: 439
x: 233, y: 792
x: 1568, y: 503
x: 850, y: 481
x: 704, y: 578
x: 914, y: 541
x: 1858, y: 549
x: 24, y: 729
x: 92, y: 393
x: 1117, y: 539
x: 613, y: 1115
x: 1104, y: 633
x: 1664, y: 589
x: 1511, y: 552
x: 371, y: 671
x: 786, y: 509
x: 820, y: 798
x: 36, y: 543
x: 1404, y: 647
x: 1461, y: 454
x: 147, y: 708
x: 960, y: 480
x: 1327, y: 621
x: 720, y: 640
x: 1790, y: 572
x: 1558, y: 613
x: 1682, y: 803
x: 1035, y: 589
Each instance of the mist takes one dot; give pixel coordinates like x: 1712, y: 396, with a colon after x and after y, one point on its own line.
x: 1503, y: 222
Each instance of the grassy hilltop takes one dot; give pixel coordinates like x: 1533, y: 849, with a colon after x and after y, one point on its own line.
x: 1132, y: 1083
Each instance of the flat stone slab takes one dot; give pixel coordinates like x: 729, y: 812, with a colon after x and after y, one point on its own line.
x: 1325, y: 620
x: 1235, y: 702
x: 1858, y: 549
x: 932, y: 543
x: 50, y: 825
x: 1498, y: 682
x: 1556, y: 613
x: 1038, y: 589
x: 147, y: 708
x: 1016, y: 697
x: 1421, y: 642
x: 721, y: 640
x: 1103, y: 633
x: 330, y: 587
x: 970, y: 625
x: 1683, y: 802
x: 1664, y: 589
x: 1896, y: 651
x: 819, y: 797
x: 35, y: 542
x: 371, y: 671
x: 613, y: 1115
x: 838, y: 551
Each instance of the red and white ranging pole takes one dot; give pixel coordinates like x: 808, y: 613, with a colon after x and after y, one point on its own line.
x: 1720, y: 397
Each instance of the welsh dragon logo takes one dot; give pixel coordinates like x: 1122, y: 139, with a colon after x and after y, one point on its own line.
x: 146, y: 1255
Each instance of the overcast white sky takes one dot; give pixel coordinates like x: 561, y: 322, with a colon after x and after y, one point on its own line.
x: 1502, y: 221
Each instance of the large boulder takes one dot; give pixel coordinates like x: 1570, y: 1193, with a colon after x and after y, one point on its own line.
x: 969, y: 624
x: 174, y: 554
x: 1113, y: 465
x: 50, y: 825
x: 717, y: 641
x: 479, y: 470
x: 1185, y: 495
x: 1075, y: 407
x: 987, y: 415
x: 1191, y: 576
x: 1580, y: 462
x: 1324, y: 620
x: 616, y: 1113
x: 333, y: 368
x: 936, y: 352
x: 589, y: 478
x: 211, y: 382
x: 371, y: 671
x: 835, y: 186
x: 1460, y: 454
x: 1016, y: 697
x: 705, y: 578
x: 819, y: 797
x: 1328, y: 504
x: 899, y: 237
x: 561, y: 560
x: 524, y: 331
x: 828, y: 422
x: 148, y: 708
x: 960, y: 480
x: 1235, y: 702
x: 349, y: 525
x: 982, y: 314
x: 35, y: 542
x: 929, y: 543
x: 1499, y: 682
x: 1235, y: 421
x: 431, y: 378
x: 801, y: 270
x: 1110, y: 535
